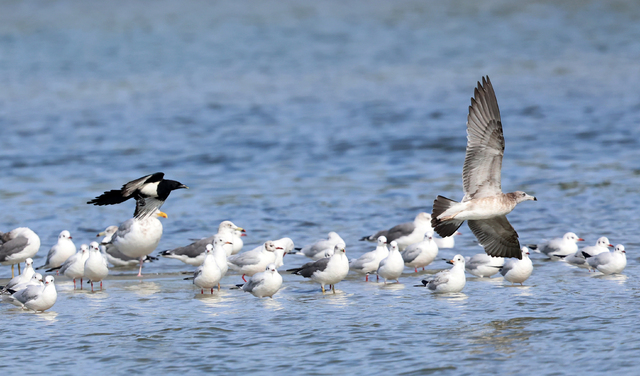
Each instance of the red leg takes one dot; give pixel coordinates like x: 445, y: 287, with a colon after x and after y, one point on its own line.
x: 243, y: 278
x: 91, y: 286
x: 377, y: 277
x: 74, y: 283
x: 423, y: 268
x: 140, y: 270
x: 416, y: 270
x: 201, y: 291
x: 80, y: 283
x: 100, y: 285
x: 366, y: 278
x: 212, y: 290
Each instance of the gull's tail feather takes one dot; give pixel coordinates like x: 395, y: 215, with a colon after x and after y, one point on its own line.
x: 447, y: 227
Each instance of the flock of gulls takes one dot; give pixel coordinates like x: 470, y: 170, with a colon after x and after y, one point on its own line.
x: 408, y: 245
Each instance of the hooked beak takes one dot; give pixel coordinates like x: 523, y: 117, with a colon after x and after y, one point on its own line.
x: 162, y: 214
x: 580, y: 239
x: 450, y: 262
x: 100, y: 234
x: 610, y: 245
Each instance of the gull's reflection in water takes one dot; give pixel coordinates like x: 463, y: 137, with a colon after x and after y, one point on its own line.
x: 49, y: 316
x: 143, y: 288
x: 620, y: 279
x: 503, y: 336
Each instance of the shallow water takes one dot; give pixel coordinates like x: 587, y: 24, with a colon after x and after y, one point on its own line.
x: 295, y: 119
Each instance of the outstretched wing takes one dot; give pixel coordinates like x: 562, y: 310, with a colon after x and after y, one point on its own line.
x: 497, y: 237
x: 485, y: 145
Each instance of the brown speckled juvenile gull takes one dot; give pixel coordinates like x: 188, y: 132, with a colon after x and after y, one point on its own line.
x: 484, y: 205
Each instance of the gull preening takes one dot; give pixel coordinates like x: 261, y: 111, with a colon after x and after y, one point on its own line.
x: 264, y: 284
x: 326, y: 271
x: 407, y: 233
x: 18, y: 245
x: 517, y: 271
x: 558, y: 248
x: 60, y: 251
x: 448, y: 281
x: 421, y: 254
x: 608, y: 262
x: 484, y: 206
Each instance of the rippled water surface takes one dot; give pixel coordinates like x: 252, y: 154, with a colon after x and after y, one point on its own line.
x: 294, y: 119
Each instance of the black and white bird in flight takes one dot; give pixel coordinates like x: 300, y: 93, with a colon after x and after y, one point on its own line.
x: 484, y: 205
x: 150, y: 192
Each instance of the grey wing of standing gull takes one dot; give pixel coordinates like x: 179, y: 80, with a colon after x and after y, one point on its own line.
x: 123, y: 229
x: 114, y: 252
x: 507, y: 267
x: 410, y: 254
x: 439, y: 279
x: 485, y: 145
x: 309, y: 268
x: 399, y: 231
x: 244, y: 259
x: 192, y: 250
x: 252, y: 284
x: 497, y: 236
x: 12, y: 246
x: 30, y: 293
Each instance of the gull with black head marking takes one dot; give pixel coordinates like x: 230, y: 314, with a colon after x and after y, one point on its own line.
x: 484, y: 206
x: 326, y: 271
x: 149, y: 191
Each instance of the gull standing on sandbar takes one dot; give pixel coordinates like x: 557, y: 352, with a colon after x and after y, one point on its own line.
x: 484, y: 205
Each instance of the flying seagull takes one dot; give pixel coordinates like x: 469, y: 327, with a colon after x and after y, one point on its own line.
x: 484, y: 205
x: 150, y: 192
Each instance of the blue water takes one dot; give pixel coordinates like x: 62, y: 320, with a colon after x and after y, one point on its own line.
x: 294, y: 119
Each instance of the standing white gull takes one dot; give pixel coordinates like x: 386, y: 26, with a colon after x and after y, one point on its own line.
x: 139, y: 237
x: 448, y: 242
x: 74, y: 266
x: 265, y: 283
x: 60, y: 251
x: 254, y: 261
x: 482, y: 265
x: 484, y: 205
x: 557, y: 248
x: 37, y: 298
x: 193, y: 254
x: 370, y: 261
x: 318, y: 249
x: 207, y: 275
x: 95, y: 267
x: 517, y: 271
x: 391, y: 267
x: 448, y: 281
x: 326, y: 271
x: 113, y: 255
x: 149, y: 191
x: 578, y: 259
x: 18, y: 245
x: 421, y: 254
x: 22, y: 279
x: 609, y: 262
x: 406, y: 233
